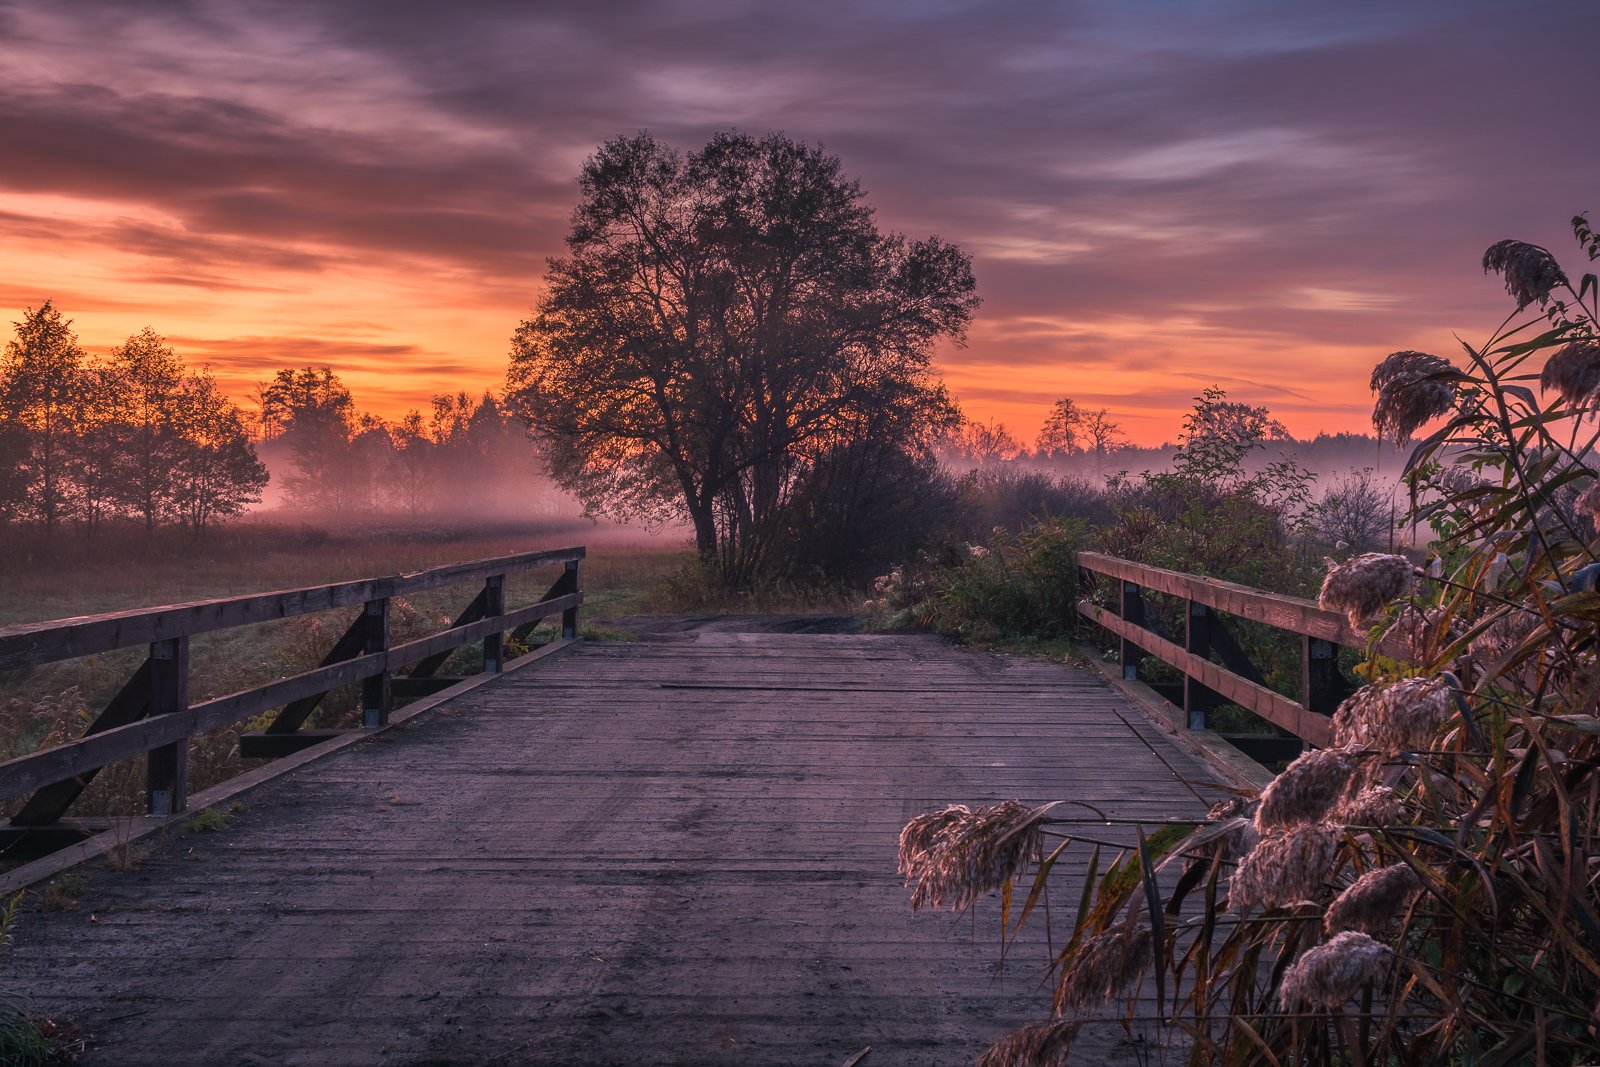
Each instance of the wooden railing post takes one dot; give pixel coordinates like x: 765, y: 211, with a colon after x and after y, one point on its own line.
x: 376, y: 691
x: 1197, y: 699
x: 569, y: 617
x: 1132, y: 611
x: 1322, y: 684
x: 167, y: 767
x: 494, y: 604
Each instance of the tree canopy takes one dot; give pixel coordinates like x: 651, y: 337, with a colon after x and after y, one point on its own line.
x: 727, y: 324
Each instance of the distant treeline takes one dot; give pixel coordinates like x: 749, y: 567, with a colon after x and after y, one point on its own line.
x: 466, y: 456
x: 1088, y: 443
x: 138, y: 439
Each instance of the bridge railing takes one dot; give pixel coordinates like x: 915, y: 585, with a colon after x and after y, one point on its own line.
x: 1235, y: 679
x: 151, y: 715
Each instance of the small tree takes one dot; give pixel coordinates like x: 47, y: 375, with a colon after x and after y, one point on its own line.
x: 217, y: 473
x: 1063, y: 431
x: 312, y: 411
x: 411, y: 476
x: 1104, y: 437
x: 42, y: 383
x: 1355, y: 513
x: 150, y: 378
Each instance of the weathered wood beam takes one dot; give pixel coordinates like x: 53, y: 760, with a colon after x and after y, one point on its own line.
x: 1275, y: 609
x: 1274, y: 707
x: 471, y: 613
x: 351, y: 644
x: 48, y: 642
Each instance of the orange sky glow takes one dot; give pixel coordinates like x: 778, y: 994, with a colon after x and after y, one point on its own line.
x: 1158, y: 197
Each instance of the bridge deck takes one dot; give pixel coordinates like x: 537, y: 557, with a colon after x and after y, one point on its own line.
x: 667, y: 852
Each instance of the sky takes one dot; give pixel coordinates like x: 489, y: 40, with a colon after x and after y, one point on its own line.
x: 1158, y: 195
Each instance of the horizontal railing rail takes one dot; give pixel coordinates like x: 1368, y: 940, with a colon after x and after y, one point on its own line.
x: 151, y: 715
x: 1236, y: 680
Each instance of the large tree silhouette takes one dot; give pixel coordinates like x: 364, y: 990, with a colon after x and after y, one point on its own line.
x: 726, y: 324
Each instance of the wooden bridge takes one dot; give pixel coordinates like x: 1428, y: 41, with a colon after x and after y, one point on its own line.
x: 680, y: 850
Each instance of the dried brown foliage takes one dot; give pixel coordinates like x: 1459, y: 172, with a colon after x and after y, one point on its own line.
x: 1102, y: 967
x: 1531, y: 273
x: 1040, y: 1045
x: 1363, y: 586
x: 1331, y: 974
x: 1306, y: 790
x: 1375, y: 901
x: 955, y: 855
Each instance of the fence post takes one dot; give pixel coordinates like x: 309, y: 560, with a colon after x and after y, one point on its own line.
x: 569, y: 617
x: 1132, y: 611
x: 1322, y: 685
x: 494, y: 604
x: 167, y: 767
x: 376, y: 692
x: 1197, y: 699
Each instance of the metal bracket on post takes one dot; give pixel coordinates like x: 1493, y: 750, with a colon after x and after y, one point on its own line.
x: 167, y: 767
x: 376, y: 691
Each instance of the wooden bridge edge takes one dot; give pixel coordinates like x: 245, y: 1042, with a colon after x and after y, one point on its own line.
x: 141, y: 826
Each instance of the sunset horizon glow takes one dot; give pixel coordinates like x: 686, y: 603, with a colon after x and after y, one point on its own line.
x: 1158, y: 197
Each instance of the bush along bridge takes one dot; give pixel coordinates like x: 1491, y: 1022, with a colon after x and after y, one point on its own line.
x: 675, y: 850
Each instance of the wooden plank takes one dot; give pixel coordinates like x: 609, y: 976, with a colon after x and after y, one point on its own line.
x: 1274, y: 707
x: 471, y: 613
x: 1295, y: 614
x: 126, y: 742
x: 47, y: 642
x: 167, y: 765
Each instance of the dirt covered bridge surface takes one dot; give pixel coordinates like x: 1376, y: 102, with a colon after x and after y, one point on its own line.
x: 680, y: 851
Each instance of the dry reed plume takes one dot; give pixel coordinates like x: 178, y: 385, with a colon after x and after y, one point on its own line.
x: 1531, y: 273
x: 1286, y: 866
x: 1412, y: 388
x: 1362, y: 586
x: 1331, y: 974
x: 1588, y: 503
x: 1389, y: 719
x: 1376, y: 805
x: 1574, y: 372
x: 1102, y: 967
x: 955, y: 855
x: 1306, y: 791
x: 1375, y: 901
x: 1039, y: 1045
